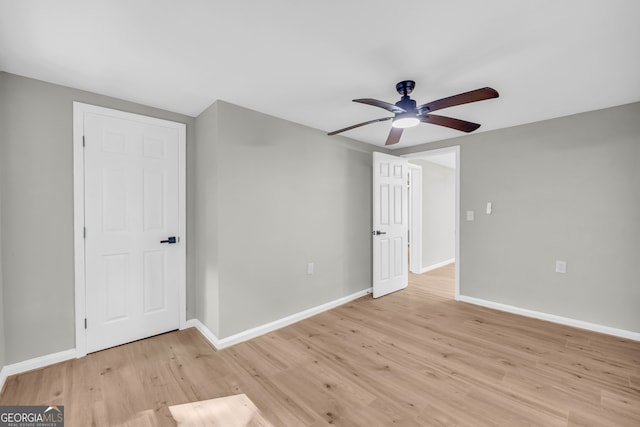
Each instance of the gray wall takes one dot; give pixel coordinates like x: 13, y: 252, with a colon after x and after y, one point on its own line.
x: 37, y: 212
x: 285, y: 195
x: 206, y: 208
x: 438, y: 212
x: 562, y: 189
x: 271, y: 196
x: 266, y: 198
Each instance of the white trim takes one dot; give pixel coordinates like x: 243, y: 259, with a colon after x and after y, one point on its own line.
x: 456, y: 294
x: 437, y: 265
x: 182, y: 220
x: 206, y: 332
x: 415, y: 218
x: 248, y: 334
x: 79, y: 111
x: 3, y: 378
x: 78, y: 227
x: 36, y: 363
x: 594, y: 327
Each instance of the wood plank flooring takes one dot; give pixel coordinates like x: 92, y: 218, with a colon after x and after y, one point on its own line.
x: 413, y: 358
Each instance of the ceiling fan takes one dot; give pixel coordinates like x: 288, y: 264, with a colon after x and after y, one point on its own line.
x: 406, y: 114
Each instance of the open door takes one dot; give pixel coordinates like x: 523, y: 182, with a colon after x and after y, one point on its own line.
x: 390, y: 224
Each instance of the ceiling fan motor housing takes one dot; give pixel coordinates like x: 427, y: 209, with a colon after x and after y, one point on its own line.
x: 407, y: 104
x: 404, y: 88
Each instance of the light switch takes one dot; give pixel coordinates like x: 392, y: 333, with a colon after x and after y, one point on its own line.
x: 310, y: 268
x: 470, y: 216
x: 489, y: 206
x: 561, y: 267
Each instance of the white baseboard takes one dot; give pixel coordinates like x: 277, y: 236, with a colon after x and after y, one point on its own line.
x: 219, y: 344
x: 38, y: 362
x: 206, y: 332
x: 3, y: 378
x: 622, y: 333
x: 437, y: 265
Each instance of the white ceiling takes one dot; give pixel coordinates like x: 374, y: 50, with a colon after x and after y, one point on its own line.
x: 305, y: 61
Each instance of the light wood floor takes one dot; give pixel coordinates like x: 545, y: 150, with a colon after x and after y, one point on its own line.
x: 413, y: 358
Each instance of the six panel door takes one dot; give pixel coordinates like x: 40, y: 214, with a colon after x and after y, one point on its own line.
x: 131, y: 205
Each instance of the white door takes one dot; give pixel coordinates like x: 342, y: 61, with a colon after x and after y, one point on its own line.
x: 131, y: 196
x: 390, y: 224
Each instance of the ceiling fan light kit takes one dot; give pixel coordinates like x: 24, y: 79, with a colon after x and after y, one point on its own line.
x: 407, y: 114
x: 405, y: 120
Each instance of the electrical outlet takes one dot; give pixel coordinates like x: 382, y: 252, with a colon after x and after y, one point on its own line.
x: 470, y: 215
x: 561, y: 267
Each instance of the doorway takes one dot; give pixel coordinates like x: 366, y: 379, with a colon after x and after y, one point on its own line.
x: 434, y: 199
x: 129, y: 227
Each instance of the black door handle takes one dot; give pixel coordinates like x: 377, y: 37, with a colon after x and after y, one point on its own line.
x: 378, y: 232
x: 169, y: 240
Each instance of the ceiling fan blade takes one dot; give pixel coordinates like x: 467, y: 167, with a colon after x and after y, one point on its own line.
x: 450, y: 122
x: 376, y: 103
x: 461, y: 98
x: 394, y: 136
x: 359, y: 124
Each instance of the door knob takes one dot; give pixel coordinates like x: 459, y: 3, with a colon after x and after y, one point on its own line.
x: 169, y: 240
x: 378, y: 232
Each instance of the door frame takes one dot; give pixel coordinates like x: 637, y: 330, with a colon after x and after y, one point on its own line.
x: 79, y: 111
x: 415, y: 218
x: 455, y: 150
